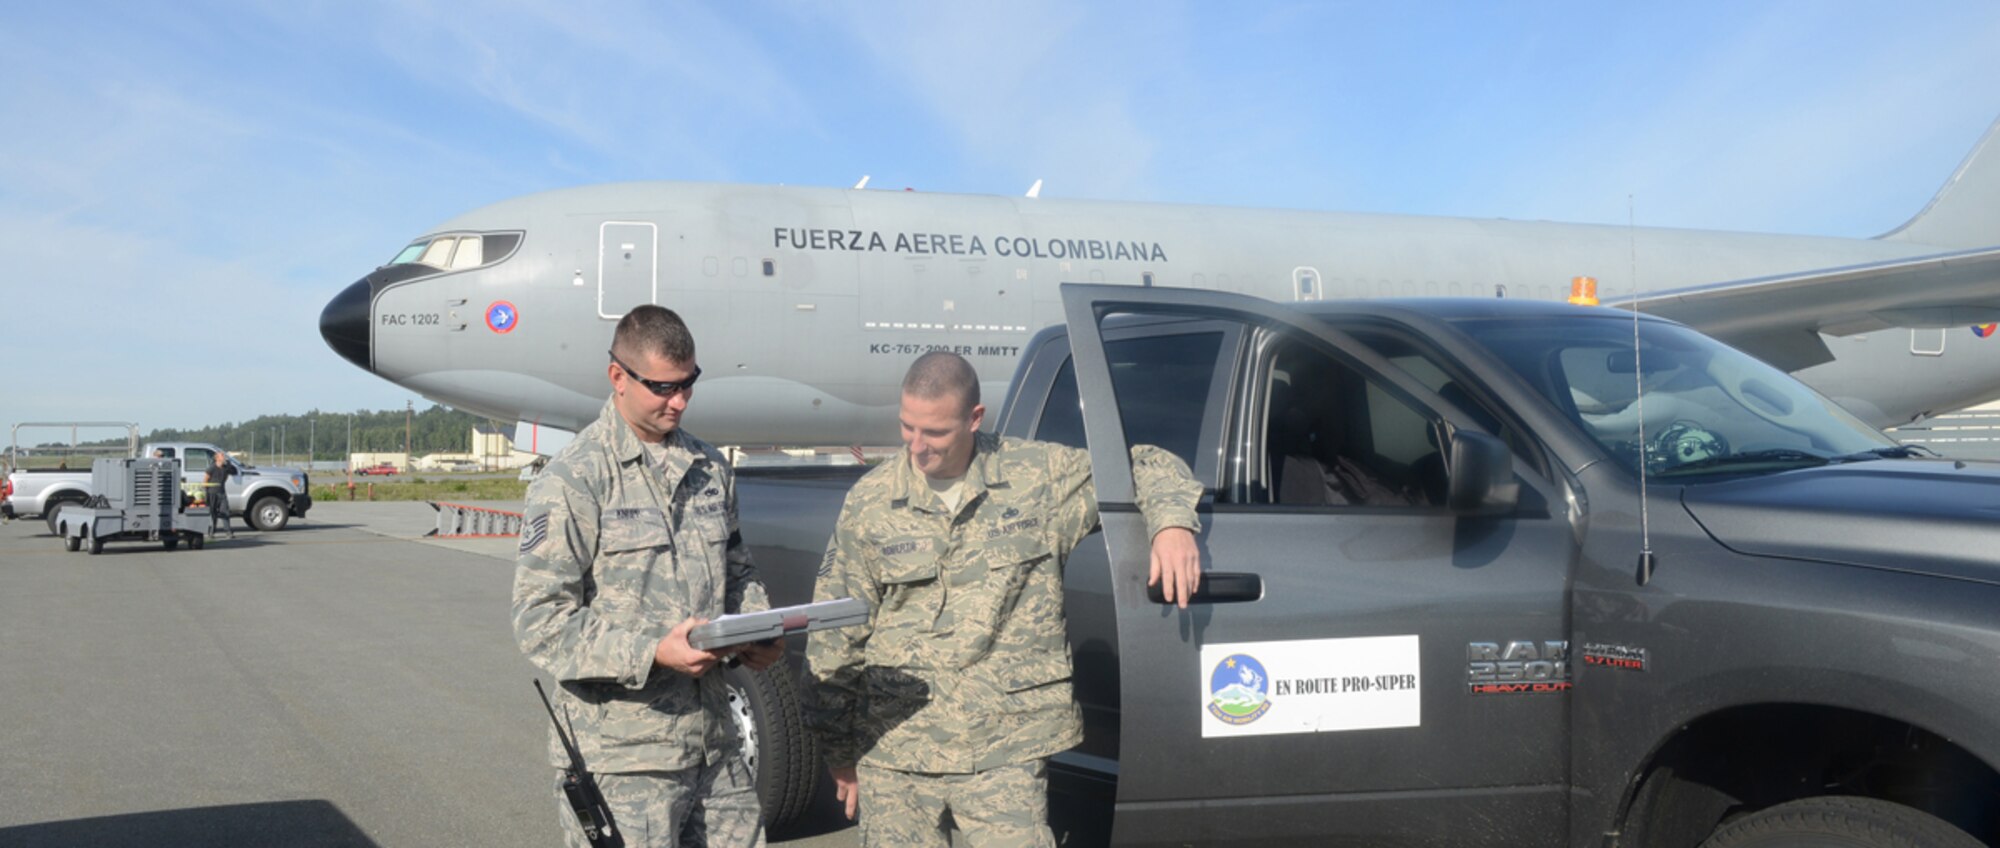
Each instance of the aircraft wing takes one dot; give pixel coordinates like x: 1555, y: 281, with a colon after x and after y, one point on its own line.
x: 1780, y: 319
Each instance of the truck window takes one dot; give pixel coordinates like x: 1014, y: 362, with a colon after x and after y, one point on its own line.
x: 196, y: 459
x: 1162, y: 386
x: 1430, y: 369
x: 1332, y: 437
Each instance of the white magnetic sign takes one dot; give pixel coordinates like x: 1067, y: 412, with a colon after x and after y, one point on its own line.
x: 1310, y: 686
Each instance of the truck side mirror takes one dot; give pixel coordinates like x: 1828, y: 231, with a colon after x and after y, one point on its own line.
x: 1480, y: 475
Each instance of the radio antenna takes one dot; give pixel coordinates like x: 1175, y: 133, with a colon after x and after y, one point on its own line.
x: 1639, y: 397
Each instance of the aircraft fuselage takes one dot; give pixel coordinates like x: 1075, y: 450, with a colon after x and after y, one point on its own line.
x: 807, y: 304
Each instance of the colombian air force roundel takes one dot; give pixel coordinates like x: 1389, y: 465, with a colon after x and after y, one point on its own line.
x: 501, y: 317
x: 1983, y: 330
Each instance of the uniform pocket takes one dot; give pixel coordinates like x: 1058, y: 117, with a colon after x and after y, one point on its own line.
x: 1031, y: 671
x: 1034, y: 684
x: 634, y: 529
x: 903, y: 563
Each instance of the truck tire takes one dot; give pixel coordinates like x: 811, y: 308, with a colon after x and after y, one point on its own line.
x: 783, y: 760
x: 197, y: 542
x: 72, y: 543
x: 50, y: 511
x: 268, y: 513
x: 96, y: 546
x: 170, y: 543
x: 1839, y: 822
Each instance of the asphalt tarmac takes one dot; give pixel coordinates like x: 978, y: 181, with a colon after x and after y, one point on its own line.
x: 337, y: 683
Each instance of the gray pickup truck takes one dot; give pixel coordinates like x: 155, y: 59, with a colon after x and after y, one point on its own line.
x: 1490, y: 573
x: 267, y: 498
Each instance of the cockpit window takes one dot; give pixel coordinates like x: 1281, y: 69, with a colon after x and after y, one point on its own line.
x: 438, y: 255
x: 468, y: 253
x: 458, y: 252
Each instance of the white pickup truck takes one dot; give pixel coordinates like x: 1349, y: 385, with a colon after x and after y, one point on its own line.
x: 266, y: 497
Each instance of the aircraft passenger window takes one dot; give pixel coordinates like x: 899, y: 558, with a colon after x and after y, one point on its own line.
x: 438, y: 255
x: 1162, y: 388
x: 469, y: 254
x: 1146, y: 279
x: 770, y: 268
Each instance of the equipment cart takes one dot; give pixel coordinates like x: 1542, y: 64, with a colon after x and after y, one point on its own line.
x: 135, y: 500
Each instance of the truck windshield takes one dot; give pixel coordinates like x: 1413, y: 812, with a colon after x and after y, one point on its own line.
x: 1708, y: 408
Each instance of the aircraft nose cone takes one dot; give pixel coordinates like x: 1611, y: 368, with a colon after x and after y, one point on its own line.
x: 344, y: 324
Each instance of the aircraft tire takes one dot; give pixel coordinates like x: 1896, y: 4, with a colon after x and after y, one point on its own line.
x: 269, y: 513
x: 1839, y: 820
x: 784, y: 762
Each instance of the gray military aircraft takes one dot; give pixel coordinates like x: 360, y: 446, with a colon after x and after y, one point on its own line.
x: 809, y: 303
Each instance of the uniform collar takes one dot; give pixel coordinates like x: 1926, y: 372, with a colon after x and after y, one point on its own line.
x: 625, y: 447
x: 983, y: 473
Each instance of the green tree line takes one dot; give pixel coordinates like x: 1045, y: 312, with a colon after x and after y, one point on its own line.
x: 268, y: 438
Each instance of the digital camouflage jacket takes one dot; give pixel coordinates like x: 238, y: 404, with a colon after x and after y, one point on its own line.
x: 963, y: 664
x: 615, y: 550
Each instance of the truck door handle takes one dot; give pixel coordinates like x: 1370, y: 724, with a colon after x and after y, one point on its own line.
x: 1218, y: 587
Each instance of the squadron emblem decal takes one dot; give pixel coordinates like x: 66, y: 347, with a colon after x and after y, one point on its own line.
x: 1239, y: 692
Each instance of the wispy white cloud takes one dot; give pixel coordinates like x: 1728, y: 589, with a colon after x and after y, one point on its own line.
x: 248, y: 158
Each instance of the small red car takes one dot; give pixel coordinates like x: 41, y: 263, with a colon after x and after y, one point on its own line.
x: 379, y: 468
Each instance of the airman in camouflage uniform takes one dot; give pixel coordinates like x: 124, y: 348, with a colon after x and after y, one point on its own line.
x: 953, y: 696
x: 629, y: 539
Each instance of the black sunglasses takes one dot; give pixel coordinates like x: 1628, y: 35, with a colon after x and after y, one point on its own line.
x: 663, y: 388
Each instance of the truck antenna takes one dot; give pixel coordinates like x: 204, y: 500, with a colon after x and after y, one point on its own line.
x: 1639, y: 397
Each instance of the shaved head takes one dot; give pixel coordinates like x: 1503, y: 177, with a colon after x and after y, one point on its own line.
x: 939, y: 375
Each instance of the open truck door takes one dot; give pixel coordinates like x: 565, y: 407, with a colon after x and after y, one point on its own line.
x: 1378, y: 640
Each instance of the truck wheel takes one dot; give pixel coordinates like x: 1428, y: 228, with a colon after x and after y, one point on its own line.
x: 1839, y: 822
x: 781, y: 755
x: 50, y: 512
x: 72, y: 543
x: 196, y: 543
x: 170, y: 543
x: 96, y: 546
x: 269, y: 513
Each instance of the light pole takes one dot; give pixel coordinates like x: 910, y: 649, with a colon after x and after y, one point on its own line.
x: 409, y: 409
x: 312, y: 439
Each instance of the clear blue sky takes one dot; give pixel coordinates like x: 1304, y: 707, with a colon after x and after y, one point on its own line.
x: 184, y: 185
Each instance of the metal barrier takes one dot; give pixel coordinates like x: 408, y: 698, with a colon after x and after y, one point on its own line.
x: 458, y: 521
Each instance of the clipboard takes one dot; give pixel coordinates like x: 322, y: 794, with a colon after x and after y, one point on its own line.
x: 783, y: 621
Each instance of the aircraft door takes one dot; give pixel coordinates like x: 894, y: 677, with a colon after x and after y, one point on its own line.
x: 1306, y: 284
x: 628, y: 267
x: 1329, y: 683
x: 1927, y: 342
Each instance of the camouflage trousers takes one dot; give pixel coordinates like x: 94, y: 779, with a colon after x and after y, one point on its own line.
x: 713, y: 805
x: 1005, y: 807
